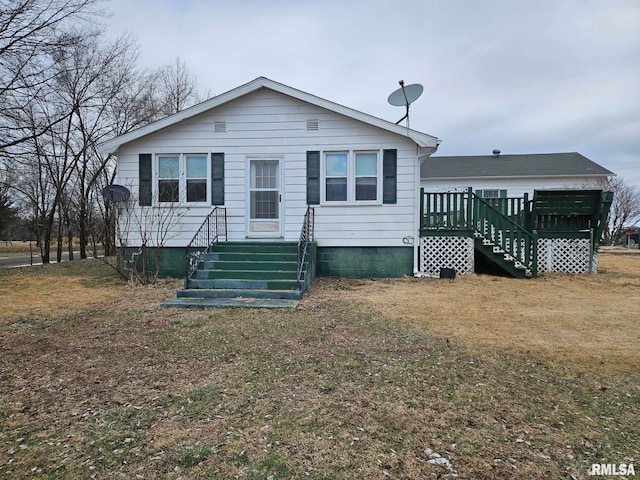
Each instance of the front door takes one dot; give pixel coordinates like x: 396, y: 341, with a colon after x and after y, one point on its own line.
x: 264, y: 198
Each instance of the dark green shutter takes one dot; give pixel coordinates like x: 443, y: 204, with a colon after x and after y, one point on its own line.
x: 313, y: 178
x: 479, y: 193
x: 503, y: 194
x: 389, y: 174
x: 145, y: 178
x: 217, y: 179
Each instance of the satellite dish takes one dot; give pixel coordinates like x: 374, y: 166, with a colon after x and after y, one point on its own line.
x: 116, y: 193
x: 405, y: 96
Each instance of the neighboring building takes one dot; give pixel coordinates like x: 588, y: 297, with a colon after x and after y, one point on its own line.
x: 499, y: 176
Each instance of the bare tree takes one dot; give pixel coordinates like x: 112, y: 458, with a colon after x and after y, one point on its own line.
x: 92, y: 76
x: 29, y: 31
x: 142, y: 235
x: 100, y: 94
x: 176, y: 88
x: 625, y: 208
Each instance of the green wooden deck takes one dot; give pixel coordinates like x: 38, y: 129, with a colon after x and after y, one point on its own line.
x: 507, y: 230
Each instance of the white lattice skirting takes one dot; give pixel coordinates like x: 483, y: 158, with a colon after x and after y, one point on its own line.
x: 568, y: 255
x: 446, y: 252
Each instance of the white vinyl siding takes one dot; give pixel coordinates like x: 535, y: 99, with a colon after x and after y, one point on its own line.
x: 268, y: 124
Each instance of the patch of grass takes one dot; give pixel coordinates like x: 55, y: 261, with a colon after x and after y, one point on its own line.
x: 187, y: 456
x: 7, y: 247
x: 195, y: 404
x: 273, y: 465
x: 116, y: 434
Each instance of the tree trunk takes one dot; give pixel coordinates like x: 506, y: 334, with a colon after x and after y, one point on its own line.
x: 109, y: 231
x: 60, y: 235
x: 47, y: 231
x: 82, y: 229
x: 70, y: 240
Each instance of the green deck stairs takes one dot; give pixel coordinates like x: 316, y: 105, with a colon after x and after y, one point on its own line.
x: 499, y: 257
x: 506, y: 230
x: 245, y: 274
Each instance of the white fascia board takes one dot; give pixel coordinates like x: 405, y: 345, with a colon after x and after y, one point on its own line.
x: 421, y: 139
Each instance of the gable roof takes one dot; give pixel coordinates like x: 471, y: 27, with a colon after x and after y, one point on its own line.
x: 527, y: 165
x: 421, y: 139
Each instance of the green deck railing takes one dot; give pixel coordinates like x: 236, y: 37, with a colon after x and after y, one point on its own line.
x: 511, y: 226
x: 498, y: 221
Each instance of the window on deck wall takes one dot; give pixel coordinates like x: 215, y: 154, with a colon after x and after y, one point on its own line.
x: 490, y: 193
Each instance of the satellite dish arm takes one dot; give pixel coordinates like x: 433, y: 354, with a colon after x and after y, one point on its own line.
x: 406, y: 115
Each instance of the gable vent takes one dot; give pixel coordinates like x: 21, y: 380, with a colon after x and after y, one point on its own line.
x: 312, y: 125
x: 220, y: 127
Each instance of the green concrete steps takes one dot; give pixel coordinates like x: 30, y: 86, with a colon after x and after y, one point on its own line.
x: 250, y: 274
x: 255, y: 247
x: 250, y: 265
x: 231, y: 302
x: 267, y: 275
x: 243, y: 283
x: 238, y: 293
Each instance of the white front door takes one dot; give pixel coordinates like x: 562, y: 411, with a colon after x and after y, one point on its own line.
x: 264, y: 202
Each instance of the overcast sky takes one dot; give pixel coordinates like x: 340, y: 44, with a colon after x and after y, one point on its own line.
x: 523, y: 76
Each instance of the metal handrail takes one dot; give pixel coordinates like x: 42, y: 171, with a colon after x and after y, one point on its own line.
x: 306, y: 235
x: 212, y: 229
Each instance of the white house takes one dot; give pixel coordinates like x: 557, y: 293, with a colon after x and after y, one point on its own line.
x: 264, y: 152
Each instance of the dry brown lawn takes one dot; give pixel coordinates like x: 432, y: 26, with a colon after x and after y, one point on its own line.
x: 592, y: 321
x: 366, y: 379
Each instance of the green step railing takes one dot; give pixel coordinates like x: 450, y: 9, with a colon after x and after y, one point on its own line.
x: 212, y: 229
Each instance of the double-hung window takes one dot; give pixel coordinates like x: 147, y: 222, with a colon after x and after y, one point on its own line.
x: 352, y: 177
x: 490, y: 193
x: 182, y: 178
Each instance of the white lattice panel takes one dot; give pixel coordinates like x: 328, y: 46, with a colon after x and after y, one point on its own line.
x: 568, y: 255
x: 446, y: 252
